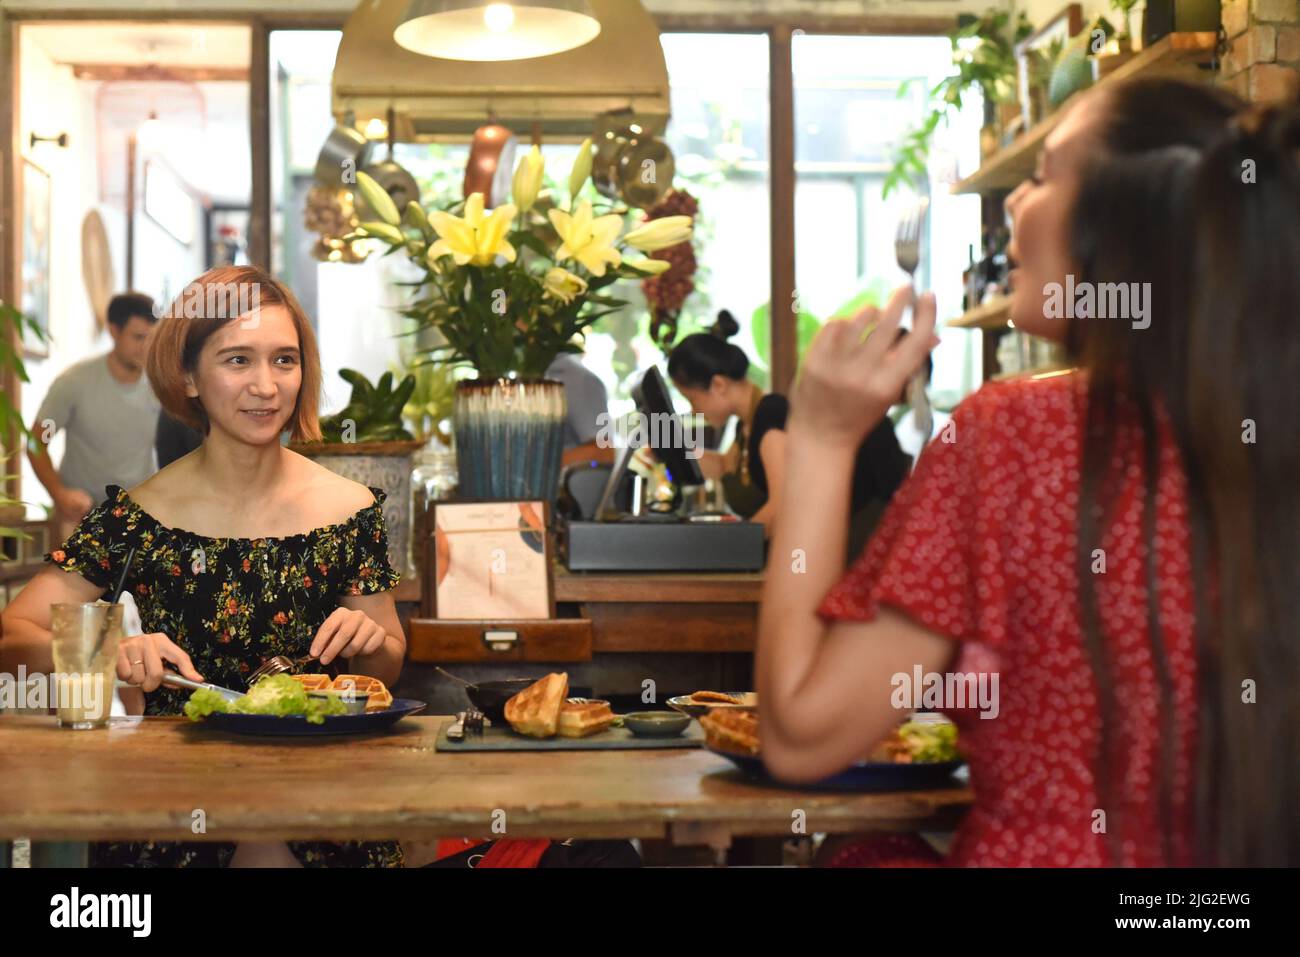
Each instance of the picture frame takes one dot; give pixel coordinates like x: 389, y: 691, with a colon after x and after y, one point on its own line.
x: 34, y: 276
x: 492, y: 561
x: 225, y: 235
x: 1059, y: 29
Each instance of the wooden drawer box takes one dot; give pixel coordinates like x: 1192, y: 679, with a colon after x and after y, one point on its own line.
x: 561, y: 639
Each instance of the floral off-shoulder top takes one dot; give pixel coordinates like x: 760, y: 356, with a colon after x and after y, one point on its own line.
x: 232, y: 603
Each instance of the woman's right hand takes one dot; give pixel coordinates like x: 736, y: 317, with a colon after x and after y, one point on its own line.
x: 140, y: 660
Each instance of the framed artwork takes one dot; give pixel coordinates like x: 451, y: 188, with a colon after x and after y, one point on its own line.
x: 34, y: 288
x: 1035, y: 57
x: 492, y: 561
x: 225, y: 235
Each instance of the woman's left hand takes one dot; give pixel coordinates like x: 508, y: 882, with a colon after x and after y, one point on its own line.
x: 347, y: 633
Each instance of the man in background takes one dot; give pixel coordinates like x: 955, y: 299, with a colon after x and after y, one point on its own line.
x: 109, y: 413
x: 587, y: 401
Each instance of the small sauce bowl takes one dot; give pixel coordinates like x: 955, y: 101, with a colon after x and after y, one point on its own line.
x: 656, y: 724
x: 354, y: 701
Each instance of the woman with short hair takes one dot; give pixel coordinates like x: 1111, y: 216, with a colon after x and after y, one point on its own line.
x: 243, y: 549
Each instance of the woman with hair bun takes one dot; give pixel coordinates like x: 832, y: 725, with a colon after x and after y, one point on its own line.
x: 711, y: 373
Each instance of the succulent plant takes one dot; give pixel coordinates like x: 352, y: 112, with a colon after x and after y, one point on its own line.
x: 375, y: 411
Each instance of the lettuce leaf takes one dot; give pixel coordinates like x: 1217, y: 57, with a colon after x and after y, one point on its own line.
x: 203, y: 703
x: 930, y: 741
x: 277, y: 696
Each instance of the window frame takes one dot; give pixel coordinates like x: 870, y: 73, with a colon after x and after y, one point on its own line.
x: 780, y: 30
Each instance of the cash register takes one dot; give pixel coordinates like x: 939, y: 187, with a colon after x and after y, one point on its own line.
x: 616, y: 540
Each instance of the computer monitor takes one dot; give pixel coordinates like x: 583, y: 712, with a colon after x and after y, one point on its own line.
x: 666, y: 432
x: 663, y: 432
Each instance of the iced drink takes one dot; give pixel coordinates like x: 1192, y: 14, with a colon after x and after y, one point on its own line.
x: 86, y: 636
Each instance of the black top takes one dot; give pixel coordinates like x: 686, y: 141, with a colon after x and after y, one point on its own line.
x: 174, y: 438
x: 879, y: 469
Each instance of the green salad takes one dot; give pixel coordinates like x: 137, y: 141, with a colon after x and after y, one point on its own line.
x: 278, y: 695
x: 930, y: 740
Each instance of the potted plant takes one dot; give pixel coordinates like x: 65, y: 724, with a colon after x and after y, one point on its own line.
x: 367, y: 442
x: 13, y: 325
x: 509, y: 290
x: 984, y: 53
x: 430, y: 406
x: 1124, y: 38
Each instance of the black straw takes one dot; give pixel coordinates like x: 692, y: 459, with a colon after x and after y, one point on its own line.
x: 121, y: 583
x: 126, y: 570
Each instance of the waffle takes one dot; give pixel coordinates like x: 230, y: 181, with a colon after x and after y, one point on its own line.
x: 891, y: 749
x: 713, y: 697
x: 535, y: 711
x: 316, y: 682
x: 380, y: 697
x: 730, y: 730
x: 581, y: 717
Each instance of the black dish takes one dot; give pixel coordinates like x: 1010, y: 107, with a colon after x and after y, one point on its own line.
x: 490, y: 697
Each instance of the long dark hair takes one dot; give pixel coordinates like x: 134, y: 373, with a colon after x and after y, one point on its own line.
x: 698, y: 358
x: 1221, y: 257
x: 1243, y: 468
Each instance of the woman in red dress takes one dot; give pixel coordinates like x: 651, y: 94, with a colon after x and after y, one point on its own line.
x: 1117, y: 545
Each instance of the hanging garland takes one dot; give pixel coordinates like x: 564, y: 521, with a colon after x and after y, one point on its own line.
x: 668, y: 292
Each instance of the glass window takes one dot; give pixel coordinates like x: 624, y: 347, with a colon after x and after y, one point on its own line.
x: 848, y: 116
x: 719, y: 133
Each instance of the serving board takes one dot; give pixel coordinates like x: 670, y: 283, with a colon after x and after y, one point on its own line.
x: 613, y: 739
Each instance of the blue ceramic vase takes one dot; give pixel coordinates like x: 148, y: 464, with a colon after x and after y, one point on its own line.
x: 509, y: 438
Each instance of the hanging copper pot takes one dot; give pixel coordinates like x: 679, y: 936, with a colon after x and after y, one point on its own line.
x: 491, y: 164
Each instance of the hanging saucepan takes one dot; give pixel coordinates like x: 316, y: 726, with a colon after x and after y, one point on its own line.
x: 604, y: 167
x: 645, y: 171
x: 611, y: 134
x: 491, y: 166
x: 345, y: 151
x: 396, y: 181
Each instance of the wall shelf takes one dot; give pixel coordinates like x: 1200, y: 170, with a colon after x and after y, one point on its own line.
x: 1010, y: 166
x: 993, y: 314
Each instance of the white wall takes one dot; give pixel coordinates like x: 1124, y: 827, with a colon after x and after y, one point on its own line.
x: 51, y: 103
x: 215, y: 162
x: 1040, y: 11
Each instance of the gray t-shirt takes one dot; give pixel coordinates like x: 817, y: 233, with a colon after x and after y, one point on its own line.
x: 584, y: 395
x: 110, y: 427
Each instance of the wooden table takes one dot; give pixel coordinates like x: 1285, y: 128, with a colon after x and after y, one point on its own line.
x: 145, y: 778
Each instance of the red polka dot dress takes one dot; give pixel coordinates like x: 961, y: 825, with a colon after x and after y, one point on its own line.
x: 979, y: 546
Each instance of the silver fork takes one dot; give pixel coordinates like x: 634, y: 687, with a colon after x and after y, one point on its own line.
x: 474, y: 721
x: 277, y: 666
x: 907, y: 241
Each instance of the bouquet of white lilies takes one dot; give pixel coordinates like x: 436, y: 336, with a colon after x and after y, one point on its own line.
x: 508, y: 289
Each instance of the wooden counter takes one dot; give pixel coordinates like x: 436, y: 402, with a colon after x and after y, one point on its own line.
x: 698, y: 612
x: 674, y: 587
x: 144, y: 778
x: 623, y: 612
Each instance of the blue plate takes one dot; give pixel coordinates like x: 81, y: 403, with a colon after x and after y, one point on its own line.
x: 266, y: 724
x: 868, y: 776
